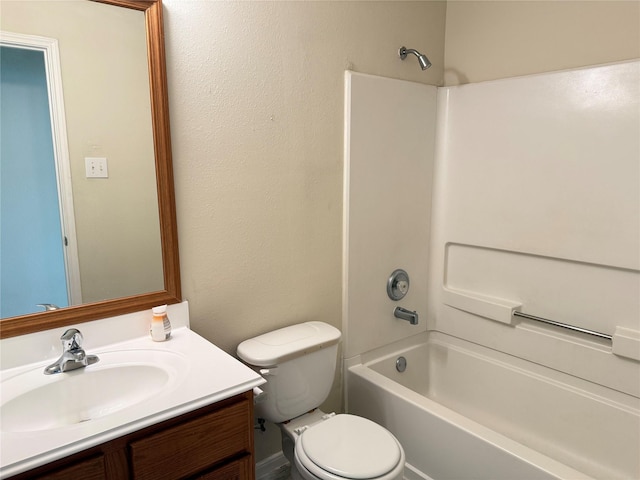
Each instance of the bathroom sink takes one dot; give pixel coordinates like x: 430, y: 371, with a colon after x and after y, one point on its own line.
x: 33, y: 401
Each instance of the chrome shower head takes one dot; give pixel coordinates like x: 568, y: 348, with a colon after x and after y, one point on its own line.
x: 422, y: 59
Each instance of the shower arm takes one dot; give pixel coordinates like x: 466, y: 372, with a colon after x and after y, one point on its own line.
x: 403, y: 52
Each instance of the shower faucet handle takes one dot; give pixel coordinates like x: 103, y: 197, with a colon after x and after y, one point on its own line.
x: 398, y: 284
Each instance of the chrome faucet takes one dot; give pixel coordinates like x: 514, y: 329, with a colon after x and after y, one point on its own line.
x: 73, y: 356
x: 404, y: 314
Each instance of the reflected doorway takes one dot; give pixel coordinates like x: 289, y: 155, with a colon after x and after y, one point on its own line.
x: 34, y: 244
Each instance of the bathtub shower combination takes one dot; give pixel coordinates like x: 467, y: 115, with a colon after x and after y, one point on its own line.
x: 513, y: 206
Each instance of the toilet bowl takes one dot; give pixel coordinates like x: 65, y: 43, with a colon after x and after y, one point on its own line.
x: 299, y: 364
x: 339, y: 447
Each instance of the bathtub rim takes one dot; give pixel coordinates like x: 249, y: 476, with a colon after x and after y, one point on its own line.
x: 600, y: 393
x: 359, y: 366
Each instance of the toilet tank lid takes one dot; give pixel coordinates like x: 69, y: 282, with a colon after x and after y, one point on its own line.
x: 286, y: 343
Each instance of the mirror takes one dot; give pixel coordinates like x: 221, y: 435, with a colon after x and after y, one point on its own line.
x: 169, y: 287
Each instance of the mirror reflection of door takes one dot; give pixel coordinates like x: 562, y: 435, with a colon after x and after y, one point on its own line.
x: 32, y: 238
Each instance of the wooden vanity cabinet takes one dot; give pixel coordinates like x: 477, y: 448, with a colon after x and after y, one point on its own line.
x: 212, y: 443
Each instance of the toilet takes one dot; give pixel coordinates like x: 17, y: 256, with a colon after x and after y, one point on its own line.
x: 299, y: 364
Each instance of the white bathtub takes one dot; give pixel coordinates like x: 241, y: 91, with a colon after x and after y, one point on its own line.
x: 462, y: 411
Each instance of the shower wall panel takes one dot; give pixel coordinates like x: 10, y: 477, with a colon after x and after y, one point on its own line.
x: 389, y: 155
x: 537, y: 206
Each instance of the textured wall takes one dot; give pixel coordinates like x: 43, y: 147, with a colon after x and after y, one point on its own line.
x: 256, y: 92
x: 486, y: 40
x: 256, y: 98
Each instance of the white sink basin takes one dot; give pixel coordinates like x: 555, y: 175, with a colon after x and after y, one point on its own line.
x: 137, y: 383
x: 33, y: 401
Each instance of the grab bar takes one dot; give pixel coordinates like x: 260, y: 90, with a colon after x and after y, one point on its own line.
x: 625, y: 342
x: 563, y: 325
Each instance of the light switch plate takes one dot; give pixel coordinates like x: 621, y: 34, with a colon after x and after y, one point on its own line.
x: 96, y: 167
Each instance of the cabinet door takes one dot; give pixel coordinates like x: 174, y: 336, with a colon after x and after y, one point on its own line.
x: 237, y: 470
x: 193, y: 446
x: 92, y: 469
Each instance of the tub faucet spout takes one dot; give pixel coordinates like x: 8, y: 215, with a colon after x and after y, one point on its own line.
x: 404, y: 314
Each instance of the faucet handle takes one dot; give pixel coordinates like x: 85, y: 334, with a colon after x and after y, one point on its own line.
x: 48, y: 306
x: 71, y: 339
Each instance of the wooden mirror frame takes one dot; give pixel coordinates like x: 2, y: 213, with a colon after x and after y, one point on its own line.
x: 35, y: 322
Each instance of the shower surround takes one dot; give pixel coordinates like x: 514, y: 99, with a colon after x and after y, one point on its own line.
x: 532, y: 186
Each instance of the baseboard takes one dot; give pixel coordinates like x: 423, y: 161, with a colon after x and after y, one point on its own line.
x: 275, y: 467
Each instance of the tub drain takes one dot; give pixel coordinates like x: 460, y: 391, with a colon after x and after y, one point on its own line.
x: 401, y: 364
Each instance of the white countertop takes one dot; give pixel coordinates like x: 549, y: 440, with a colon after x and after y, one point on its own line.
x: 211, y: 375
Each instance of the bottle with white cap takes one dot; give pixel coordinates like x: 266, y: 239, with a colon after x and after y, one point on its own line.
x: 160, y: 324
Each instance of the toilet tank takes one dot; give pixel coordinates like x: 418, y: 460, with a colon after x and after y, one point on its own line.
x: 299, y: 364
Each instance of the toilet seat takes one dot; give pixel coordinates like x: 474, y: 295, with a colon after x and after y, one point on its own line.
x: 348, y: 446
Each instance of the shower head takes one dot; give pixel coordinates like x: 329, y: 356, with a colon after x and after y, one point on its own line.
x: 422, y: 59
